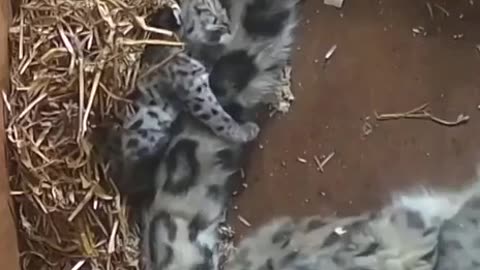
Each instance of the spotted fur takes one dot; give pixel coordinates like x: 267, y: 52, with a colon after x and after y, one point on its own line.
x: 193, y: 176
x: 171, y: 72
x: 135, y: 149
x: 205, y: 29
x: 459, y: 246
x: 384, y: 240
x: 179, y: 85
x: 187, y: 79
x: 459, y: 240
x: 247, y: 66
x: 193, y: 184
x: 249, y: 69
x: 421, y: 230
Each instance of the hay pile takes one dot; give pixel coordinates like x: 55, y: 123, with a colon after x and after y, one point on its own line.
x: 72, y: 64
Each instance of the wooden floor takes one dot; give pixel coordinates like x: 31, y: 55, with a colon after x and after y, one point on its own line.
x: 378, y: 66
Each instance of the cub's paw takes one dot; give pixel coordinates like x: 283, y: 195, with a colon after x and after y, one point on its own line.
x: 240, y: 133
x: 250, y: 131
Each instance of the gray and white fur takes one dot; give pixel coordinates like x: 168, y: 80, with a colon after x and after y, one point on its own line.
x: 205, y: 29
x: 172, y: 73
x: 459, y: 240
x: 392, y: 239
x: 193, y: 182
x: 193, y: 185
x: 422, y: 230
x: 249, y: 70
x: 194, y: 172
x: 146, y: 133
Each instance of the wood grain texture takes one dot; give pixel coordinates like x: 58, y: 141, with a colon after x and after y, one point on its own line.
x: 9, y: 255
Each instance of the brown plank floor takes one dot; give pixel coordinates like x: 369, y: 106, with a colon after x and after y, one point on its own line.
x: 378, y: 66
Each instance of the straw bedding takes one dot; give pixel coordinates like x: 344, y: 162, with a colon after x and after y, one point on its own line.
x: 73, y: 62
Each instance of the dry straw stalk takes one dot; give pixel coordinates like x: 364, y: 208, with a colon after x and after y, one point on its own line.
x: 73, y: 64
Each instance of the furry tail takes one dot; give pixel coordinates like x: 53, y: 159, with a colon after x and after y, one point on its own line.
x: 436, y: 206
x: 457, y: 215
x: 258, y: 49
x: 411, y: 229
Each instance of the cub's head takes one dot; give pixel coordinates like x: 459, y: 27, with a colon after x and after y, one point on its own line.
x: 204, y: 21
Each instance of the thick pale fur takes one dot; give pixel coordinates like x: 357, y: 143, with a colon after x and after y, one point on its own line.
x: 248, y: 71
x: 194, y: 198
x: 268, y: 47
x: 459, y: 215
x: 459, y: 244
x: 192, y: 187
x: 420, y: 230
x: 183, y: 198
x: 359, y: 242
x: 436, y: 205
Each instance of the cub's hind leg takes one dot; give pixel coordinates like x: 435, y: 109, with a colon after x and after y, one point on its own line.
x: 205, y: 107
x: 146, y: 132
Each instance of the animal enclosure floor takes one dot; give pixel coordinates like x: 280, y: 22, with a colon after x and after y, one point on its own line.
x: 379, y: 65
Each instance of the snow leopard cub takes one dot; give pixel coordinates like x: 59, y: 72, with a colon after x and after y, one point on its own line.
x: 193, y: 184
x: 181, y: 82
x: 135, y: 149
x: 187, y: 79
